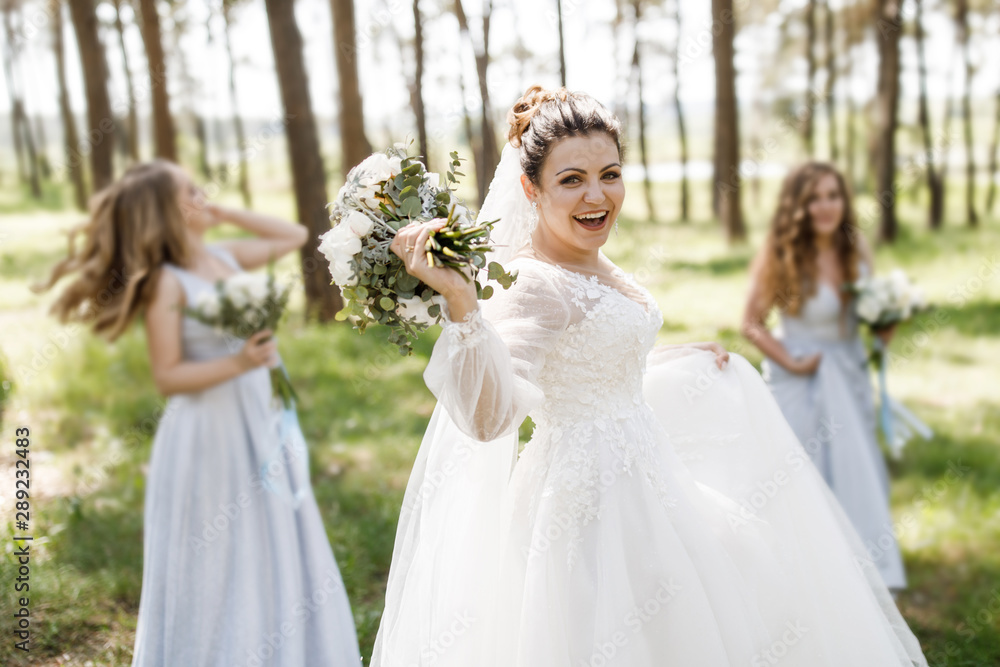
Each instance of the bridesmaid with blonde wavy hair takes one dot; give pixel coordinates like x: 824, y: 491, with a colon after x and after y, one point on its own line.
x: 233, y: 574
x: 816, y: 362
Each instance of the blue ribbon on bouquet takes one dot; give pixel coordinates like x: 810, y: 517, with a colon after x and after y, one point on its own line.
x: 898, y: 423
x: 284, y: 422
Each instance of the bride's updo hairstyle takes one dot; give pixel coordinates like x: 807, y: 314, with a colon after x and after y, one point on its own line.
x: 542, y: 118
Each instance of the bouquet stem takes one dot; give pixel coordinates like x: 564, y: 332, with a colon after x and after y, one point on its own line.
x: 281, y: 386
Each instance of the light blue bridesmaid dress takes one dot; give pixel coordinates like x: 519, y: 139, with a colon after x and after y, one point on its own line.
x: 237, y: 567
x: 833, y: 414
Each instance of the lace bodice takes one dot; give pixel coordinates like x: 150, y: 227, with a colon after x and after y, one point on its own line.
x: 560, y: 346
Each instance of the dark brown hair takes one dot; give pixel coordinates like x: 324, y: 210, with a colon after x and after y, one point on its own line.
x: 541, y: 118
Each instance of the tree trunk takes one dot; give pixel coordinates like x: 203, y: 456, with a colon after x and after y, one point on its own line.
x: 354, y: 143
x: 309, y: 178
x: 992, y: 171
x: 70, y: 139
x: 679, y: 109
x: 164, y: 140
x: 95, y: 69
x: 418, y: 83
x: 962, y: 18
x: 562, y: 44
x: 888, y: 29
x: 936, y: 212
x: 727, y: 134
x: 237, y: 120
x: 831, y: 82
x: 850, y: 141
x: 647, y: 184
x: 807, y: 123
x: 490, y: 153
x: 43, y: 150
x: 132, y: 128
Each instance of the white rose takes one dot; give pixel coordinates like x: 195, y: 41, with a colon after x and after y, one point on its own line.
x: 868, y: 308
x: 377, y: 167
x: 433, y: 179
x: 358, y: 223
x: 415, y: 309
x: 339, y: 246
x: 208, y: 304
x: 395, y: 165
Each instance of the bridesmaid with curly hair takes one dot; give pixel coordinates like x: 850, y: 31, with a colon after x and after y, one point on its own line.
x: 816, y: 362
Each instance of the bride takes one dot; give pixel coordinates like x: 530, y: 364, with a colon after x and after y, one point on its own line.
x: 662, y: 513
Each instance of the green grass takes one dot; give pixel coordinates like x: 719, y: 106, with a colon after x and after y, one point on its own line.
x: 92, y: 410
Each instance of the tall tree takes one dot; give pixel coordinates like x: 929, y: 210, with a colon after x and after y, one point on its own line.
x: 417, y: 93
x: 354, y: 143
x: 831, y: 80
x: 991, y: 172
x: 95, y: 77
x: 934, y: 185
x: 27, y: 156
x: 647, y: 184
x: 189, y: 93
x: 808, y: 131
x: 132, y: 125
x: 244, y: 177
x: 727, y: 129
x: 308, y: 175
x: 679, y: 110
x: 888, y: 29
x: 962, y: 21
x: 489, y: 153
x: 71, y: 140
x: 164, y: 139
x: 562, y: 44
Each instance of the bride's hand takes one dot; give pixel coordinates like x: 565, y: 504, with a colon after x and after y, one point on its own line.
x: 409, y: 246
x: 721, y: 354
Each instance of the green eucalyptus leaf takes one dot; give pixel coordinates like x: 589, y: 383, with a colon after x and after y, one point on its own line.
x: 387, y: 303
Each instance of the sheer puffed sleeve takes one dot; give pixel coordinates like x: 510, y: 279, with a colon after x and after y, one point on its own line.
x: 484, y: 370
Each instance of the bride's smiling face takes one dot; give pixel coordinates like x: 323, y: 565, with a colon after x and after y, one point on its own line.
x: 580, y: 192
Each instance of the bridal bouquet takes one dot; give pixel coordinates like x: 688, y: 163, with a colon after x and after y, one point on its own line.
x: 384, y: 193
x: 242, y: 305
x: 882, y: 303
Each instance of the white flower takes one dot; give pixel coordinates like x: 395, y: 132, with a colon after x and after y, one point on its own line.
x: 339, y: 246
x: 207, y: 303
x: 376, y: 167
x: 415, y: 309
x: 433, y: 179
x: 869, y: 308
x: 358, y: 223
x: 395, y: 165
x: 245, y: 289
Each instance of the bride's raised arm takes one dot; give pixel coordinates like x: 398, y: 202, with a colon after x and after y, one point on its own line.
x: 484, y: 369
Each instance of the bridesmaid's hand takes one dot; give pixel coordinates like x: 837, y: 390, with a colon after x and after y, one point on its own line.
x: 806, y: 366
x: 259, y: 350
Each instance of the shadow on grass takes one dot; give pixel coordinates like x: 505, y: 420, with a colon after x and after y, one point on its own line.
x: 975, y: 318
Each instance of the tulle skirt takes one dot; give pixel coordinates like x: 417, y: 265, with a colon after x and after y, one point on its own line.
x: 692, y: 530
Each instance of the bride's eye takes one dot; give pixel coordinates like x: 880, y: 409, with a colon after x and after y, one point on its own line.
x: 570, y: 179
x: 613, y: 174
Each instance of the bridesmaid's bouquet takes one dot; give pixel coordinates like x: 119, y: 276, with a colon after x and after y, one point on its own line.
x: 882, y: 303
x: 242, y: 305
x: 384, y: 193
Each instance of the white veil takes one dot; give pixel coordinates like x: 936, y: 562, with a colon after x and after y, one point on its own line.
x: 506, y: 202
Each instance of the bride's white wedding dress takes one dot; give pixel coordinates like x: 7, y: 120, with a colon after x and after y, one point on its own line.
x: 662, y: 513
